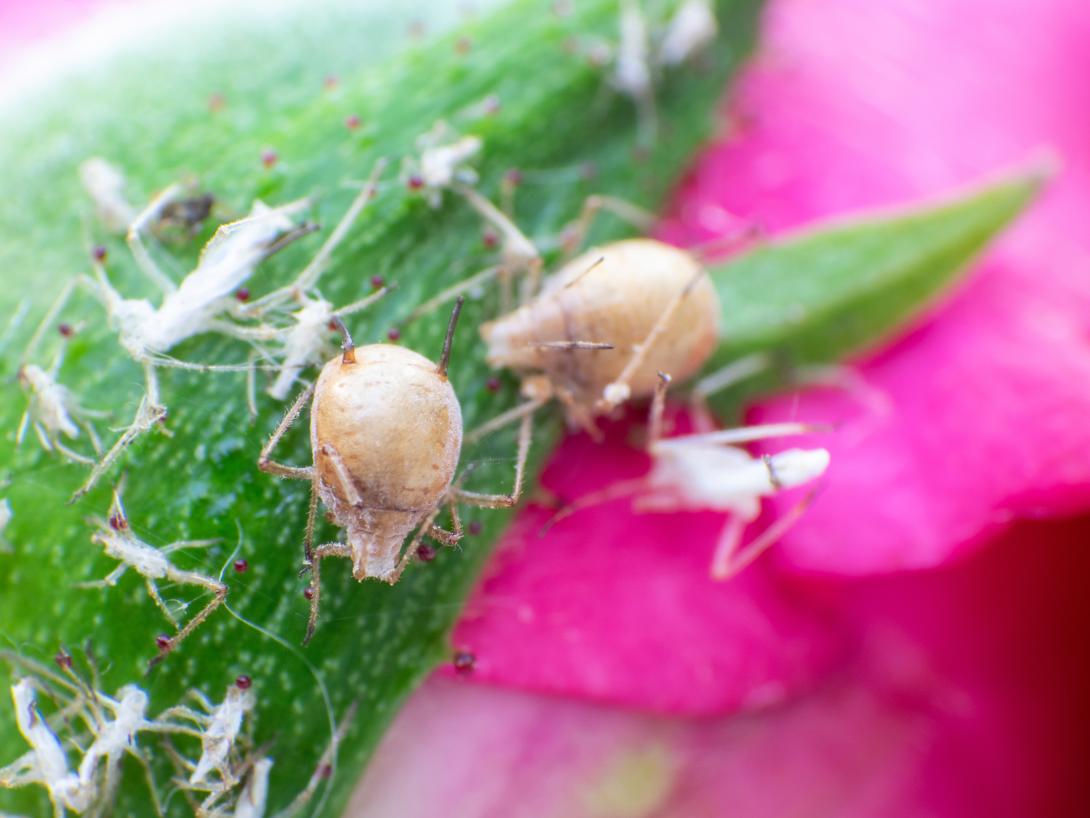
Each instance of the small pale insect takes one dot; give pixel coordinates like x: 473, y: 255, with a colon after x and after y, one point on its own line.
x: 53, y: 410
x: 46, y: 763
x: 443, y: 161
x: 153, y: 564
x: 710, y: 471
x: 218, y: 726
x: 202, y: 303
x: 604, y: 325
x: 386, y: 435
x: 105, y: 184
x: 690, y: 31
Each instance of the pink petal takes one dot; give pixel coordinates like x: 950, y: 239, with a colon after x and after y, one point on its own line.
x: 958, y: 703
x: 855, y: 104
x: 618, y: 607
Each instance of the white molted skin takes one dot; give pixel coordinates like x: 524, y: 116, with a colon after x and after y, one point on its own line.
x: 396, y: 426
x: 692, y: 29
x: 305, y: 344
x: 251, y: 801
x: 226, y: 263
x: 217, y: 739
x: 105, y: 185
x: 52, y: 404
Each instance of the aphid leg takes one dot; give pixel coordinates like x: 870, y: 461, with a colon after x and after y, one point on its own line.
x: 148, y: 216
x: 317, y: 555
x: 279, y: 469
x: 728, y: 561
x: 730, y: 375
x: 454, y: 536
x: 308, y: 278
x: 326, y: 767
x: 575, y: 233
x: 729, y: 242
x: 505, y: 419
x: 414, y: 545
x: 148, y: 414
x: 742, y: 434
x: 658, y: 406
x: 219, y: 594
x: 504, y: 500
x: 518, y: 252
x: 619, y: 391
x: 341, y: 472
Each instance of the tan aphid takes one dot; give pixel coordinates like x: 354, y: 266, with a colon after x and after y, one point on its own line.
x: 606, y: 324
x: 386, y: 434
x: 386, y: 430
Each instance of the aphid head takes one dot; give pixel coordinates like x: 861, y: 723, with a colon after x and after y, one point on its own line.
x: 795, y: 467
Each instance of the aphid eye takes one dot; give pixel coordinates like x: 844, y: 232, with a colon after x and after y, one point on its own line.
x: 118, y: 523
x: 415, y: 182
x: 241, y: 566
x: 243, y: 682
x: 331, y: 81
x: 269, y: 158
x: 243, y: 294
x: 425, y: 553
x: 377, y: 281
x: 352, y: 122
x: 493, y: 384
x: 463, y: 46
x: 216, y: 102
x: 66, y: 330
x: 163, y: 642
x: 98, y: 253
x: 475, y: 527
x: 63, y: 660
x: 464, y: 661
x: 489, y: 239
x: 394, y: 334
x: 513, y: 177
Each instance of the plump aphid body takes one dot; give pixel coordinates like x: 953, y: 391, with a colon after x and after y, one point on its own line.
x: 651, y: 303
x: 386, y: 431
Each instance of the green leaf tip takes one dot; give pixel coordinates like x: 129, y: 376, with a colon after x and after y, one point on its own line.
x: 845, y: 286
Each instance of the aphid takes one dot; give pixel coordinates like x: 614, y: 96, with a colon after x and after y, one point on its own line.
x: 443, y: 160
x: 385, y: 434
x: 691, y: 30
x: 105, y: 184
x: 710, y: 472
x: 602, y: 328
x: 188, y: 213
x: 120, y: 542
x: 632, y: 74
x: 53, y: 412
x: 202, y: 302
x: 218, y: 726
x: 46, y: 763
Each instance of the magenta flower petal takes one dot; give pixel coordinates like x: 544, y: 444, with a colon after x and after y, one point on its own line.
x: 857, y: 104
x: 618, y: 607
x: 957, y: 703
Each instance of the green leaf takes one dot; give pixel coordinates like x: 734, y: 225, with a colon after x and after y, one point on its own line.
x: 836, y: 289
x: 147, y: 110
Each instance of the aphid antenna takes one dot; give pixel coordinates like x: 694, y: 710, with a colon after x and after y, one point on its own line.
x: 504, y: 419
x: 728, y: 561
x: 593, y: 265
x: 348, y: 346
x: 747, y: 434
x: 586, y: 345
x: 733, y: 373
x: 448, y: 341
